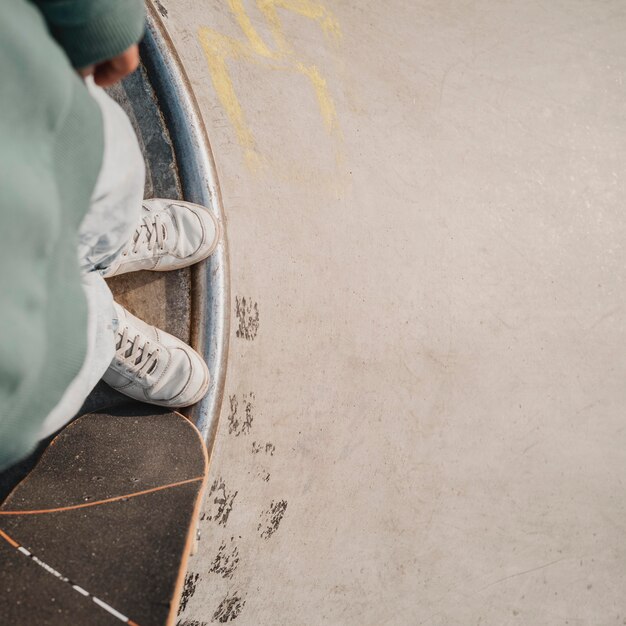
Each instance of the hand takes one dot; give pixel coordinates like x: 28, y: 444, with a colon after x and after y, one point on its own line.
x: 111, y: 71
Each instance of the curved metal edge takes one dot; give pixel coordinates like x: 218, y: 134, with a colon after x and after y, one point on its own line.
x: 210, y: 297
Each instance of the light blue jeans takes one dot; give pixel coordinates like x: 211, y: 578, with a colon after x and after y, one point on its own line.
x: 105, y: 231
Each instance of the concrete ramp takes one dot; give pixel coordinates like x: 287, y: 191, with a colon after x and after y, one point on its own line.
x: 423, y: 417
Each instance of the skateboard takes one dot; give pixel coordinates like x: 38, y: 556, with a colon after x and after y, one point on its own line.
x: 100, y: 531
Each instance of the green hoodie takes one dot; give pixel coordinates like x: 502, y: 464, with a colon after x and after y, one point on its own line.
x: 51, y: 147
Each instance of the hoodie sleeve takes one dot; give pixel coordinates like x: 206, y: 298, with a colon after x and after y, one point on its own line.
x: 91, y: 31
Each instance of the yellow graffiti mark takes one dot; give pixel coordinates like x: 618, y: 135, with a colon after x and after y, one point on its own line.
x: 219, y: 49
x: 305, y: 8
x: 256, y: 43
x: 324, y: 101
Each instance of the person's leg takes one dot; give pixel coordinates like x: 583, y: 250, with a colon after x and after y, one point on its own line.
x: 103, y: 234
x: 101, y: 327
x: 116, y: 200
x: 121, y: 234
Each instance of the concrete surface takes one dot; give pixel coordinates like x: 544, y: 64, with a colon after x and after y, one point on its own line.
x: 424, y: 411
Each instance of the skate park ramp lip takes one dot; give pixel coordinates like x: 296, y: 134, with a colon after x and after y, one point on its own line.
x: 210, y: 295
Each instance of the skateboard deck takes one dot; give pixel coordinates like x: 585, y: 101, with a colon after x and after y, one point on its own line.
x: 100, y: 531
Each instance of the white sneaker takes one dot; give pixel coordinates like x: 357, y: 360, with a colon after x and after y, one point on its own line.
x: 153, y: 366
x: 172, y: 234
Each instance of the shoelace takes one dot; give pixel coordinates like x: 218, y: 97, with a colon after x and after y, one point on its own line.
x: 152, y: 232
x: 137, y: 359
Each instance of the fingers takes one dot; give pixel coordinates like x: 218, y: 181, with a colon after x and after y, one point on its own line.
x: 106, y: 75
x: 111, y: 71
x: 128, y: 61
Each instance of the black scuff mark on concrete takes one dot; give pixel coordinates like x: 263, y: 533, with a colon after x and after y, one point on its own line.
x: 270, y: 519
x: 268, y: 448
x: 189, y: 588
x: 229, y: 608
x: 226, y: 561
x: 240, y: 421
x: 161, y: 8
x: 220, y: 503
x: 247, y: 313
x: 191, y: 622
x: 264, y: 475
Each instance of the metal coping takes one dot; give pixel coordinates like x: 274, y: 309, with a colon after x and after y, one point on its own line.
x: 210, y: 291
